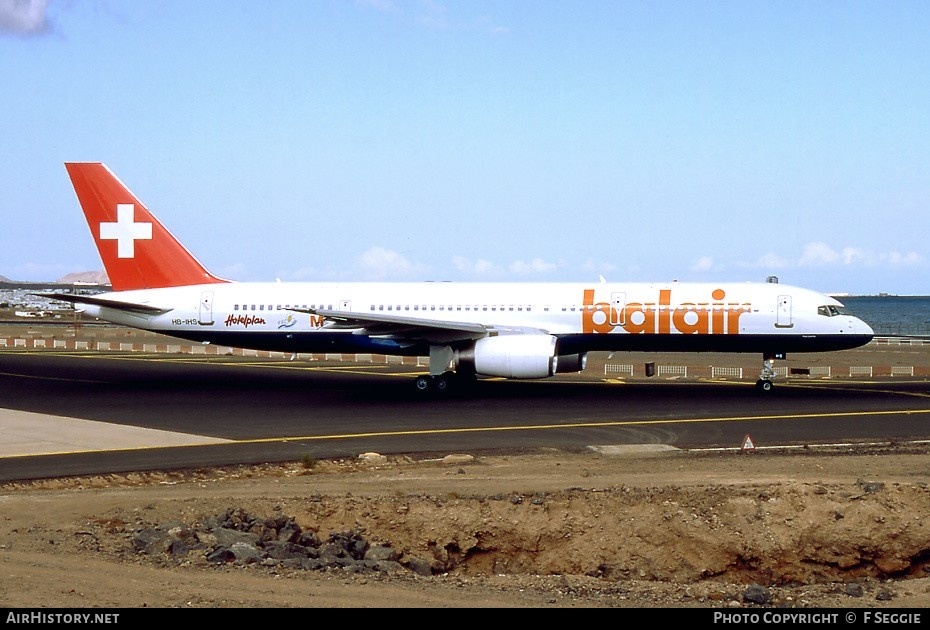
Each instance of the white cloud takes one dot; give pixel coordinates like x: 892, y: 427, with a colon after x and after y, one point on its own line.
x: 537, y: 265
x: 772, y: 261
x: 599, y: 267
x: 704, y: 263
x: 305, y: 273
x: 908, y: 259
x: 818, y: 254
x: 821, y: 254
x: 852, y: 255
x: 487, y: 268
x: 378, y: 262
x: 23, y: 16
x: 478, y: 267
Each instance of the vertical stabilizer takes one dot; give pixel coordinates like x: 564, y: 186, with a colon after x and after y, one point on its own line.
x: 137, y: 251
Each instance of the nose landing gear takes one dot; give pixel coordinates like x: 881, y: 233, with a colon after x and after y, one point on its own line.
x: 764, y: 384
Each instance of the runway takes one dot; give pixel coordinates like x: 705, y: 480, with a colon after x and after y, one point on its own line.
x: 78, y: 413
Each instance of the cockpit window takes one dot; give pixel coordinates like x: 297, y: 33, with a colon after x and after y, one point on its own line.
x: 829, y: 310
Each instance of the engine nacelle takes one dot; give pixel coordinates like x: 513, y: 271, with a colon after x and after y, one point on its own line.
x: 512, y: 356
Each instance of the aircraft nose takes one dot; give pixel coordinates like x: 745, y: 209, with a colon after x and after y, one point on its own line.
x: 860, y: 327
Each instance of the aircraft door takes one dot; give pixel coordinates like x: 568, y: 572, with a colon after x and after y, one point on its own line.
x: 206, y: 308
x: 617, y: 308
x: 783, y: 313
x: 345, y: 305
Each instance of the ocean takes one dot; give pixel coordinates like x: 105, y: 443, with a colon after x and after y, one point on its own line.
x: 891, y: 314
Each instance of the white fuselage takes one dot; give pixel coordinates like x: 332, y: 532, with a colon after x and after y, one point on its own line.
x: 596, y: 316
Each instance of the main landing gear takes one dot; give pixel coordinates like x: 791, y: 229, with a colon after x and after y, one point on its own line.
x: 764, y: 384
x: 444, y: 383
x: 440, y: 384
x: 441, y: 379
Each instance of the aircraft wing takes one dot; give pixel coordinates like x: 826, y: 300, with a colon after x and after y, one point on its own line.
x: 130, y: 307
x: 432, y: 330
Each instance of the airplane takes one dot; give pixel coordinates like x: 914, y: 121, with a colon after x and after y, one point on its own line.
x: 509, y: 330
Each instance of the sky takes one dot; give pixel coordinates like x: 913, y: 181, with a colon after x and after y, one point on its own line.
x: 478, y: 140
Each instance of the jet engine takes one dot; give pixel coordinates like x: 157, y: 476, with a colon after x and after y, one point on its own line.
x: 518, y: 356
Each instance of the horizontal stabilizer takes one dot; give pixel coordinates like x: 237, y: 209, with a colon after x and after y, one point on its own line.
x: 131, y: 307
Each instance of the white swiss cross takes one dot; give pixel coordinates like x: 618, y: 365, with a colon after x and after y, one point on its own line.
x: 125, y: 231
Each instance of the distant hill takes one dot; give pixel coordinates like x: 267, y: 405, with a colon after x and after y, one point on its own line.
x: 95, y: 277
x: 79, y: 277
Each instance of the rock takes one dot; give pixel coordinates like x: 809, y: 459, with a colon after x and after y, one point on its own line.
x: 756, y: 594
x: 381, y: 553
x: 373, y: 458
x: 853, y: 590
x: 237, y: 537
x: 884, y: 595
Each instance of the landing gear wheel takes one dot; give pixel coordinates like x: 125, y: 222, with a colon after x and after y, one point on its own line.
x: 764, y: 385
x: 443, y: 383
x: 440, y: 384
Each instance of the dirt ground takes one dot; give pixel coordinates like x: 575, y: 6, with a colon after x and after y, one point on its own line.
x: 815, y: 527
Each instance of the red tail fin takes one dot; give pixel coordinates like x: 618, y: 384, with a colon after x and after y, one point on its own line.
x: 137, y: 251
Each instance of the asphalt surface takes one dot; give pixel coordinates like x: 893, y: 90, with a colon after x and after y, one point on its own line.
x: 76, y: 413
